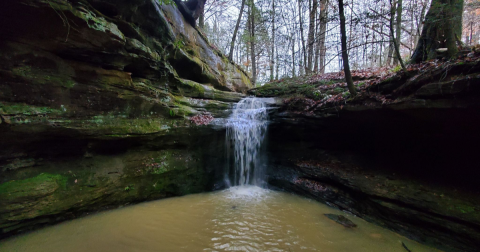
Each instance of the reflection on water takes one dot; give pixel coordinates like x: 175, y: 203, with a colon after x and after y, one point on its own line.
x: 237, y: 219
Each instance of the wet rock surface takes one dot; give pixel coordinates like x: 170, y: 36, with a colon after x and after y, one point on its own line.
x: 96, y: 101
x: 412, y: 171
x: 402, y: 153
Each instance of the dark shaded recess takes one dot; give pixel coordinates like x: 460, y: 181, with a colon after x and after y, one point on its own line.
x: 112, y: 147
x: 56, y: 144
x: 139, y: 66
x: 182, y: 139
x: 129, y: 31
x: 432, y: 148
x: 28, y: 23
x: 142, y: 69
x: 107, y: 9
x: 106, y: 60
x: 416, y: 224
x: 148, y: 21
x: 438, y: 146
x: 29, y: 59
x: 188, y: 69
x: 52, y: 142
x: 21, y: 20
x: 23, y: 93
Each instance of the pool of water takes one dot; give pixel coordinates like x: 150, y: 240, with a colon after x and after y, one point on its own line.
x: 236, y: 219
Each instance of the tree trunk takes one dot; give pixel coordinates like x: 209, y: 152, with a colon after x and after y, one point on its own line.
x: 391, y: 46
x: 398, y: 28
x: 232, y: 44
x: 247, y: 45
x: 420, y: 23
x: 302, y: 37
x: 395, y: 43
x: 381, y: 48
x: 311, y: 33
x: 272, y: 60
x: 201, y: 21
x: 442, y: 25
x: 277, y: 65
x: 457, y: 17
x: 251, y: 25
x: 323, y: 32
x: 346, y: 66
x: 293, y: 55
x: 317, y: 46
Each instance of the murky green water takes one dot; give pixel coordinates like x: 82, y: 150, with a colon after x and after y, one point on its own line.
x: 237, y: 219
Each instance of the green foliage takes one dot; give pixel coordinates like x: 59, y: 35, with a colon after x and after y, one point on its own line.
x: 179, y: 44
x: 317, y: 94
x: 397, y: 69
x: 129, y: 188
x: 172, y: 113
x: 166, y: 2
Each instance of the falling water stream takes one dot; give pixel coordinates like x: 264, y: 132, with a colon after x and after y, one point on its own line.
x: 244, y: 217
x: 246, y: 129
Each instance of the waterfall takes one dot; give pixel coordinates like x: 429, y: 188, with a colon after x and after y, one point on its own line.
x: 246, y: 129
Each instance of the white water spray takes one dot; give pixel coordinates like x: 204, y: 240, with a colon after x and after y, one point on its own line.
x: 246, y: 129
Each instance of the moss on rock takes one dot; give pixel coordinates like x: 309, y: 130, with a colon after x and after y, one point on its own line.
x: 31, y: 188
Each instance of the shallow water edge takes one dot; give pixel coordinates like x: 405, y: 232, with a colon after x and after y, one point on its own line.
x: 236, y: 219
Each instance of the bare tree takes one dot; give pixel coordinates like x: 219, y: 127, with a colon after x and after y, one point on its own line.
x: 232, y: 44
x: 346, y: 66
x: 311, y: 32
x: 398, y: 29
x: 272, y: 61
x: 251, y: 30
x: 395, y: 41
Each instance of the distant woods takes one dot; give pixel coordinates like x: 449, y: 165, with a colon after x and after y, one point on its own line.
x: 273, y: 39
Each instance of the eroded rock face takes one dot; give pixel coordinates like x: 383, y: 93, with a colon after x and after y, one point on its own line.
x: 96, y: 98
x: 402, y: 153
x: 412, y: 171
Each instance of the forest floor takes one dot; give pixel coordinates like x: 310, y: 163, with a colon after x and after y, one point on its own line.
x: 383, y: 86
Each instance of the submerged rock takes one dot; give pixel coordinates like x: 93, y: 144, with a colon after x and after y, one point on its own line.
x: 342, y: 220
x: 405, y: 247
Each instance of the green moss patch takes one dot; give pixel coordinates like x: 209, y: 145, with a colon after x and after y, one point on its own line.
x: 39, y: 186
x: 24, y: 109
